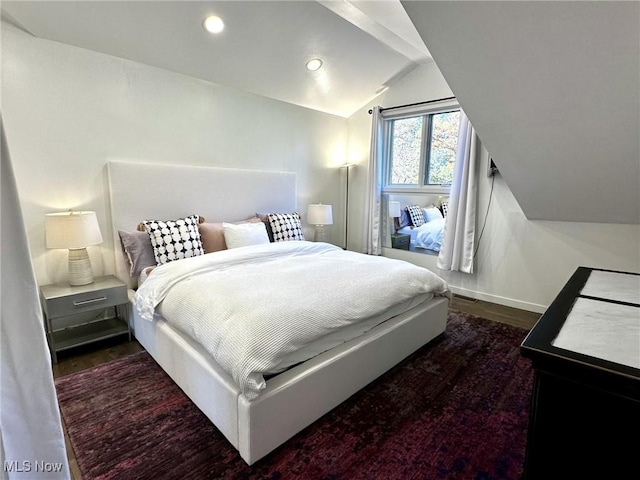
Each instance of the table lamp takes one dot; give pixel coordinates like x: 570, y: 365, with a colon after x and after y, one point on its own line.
x: 319, y: 215
x: 394, y: 212
x: 74, y: 230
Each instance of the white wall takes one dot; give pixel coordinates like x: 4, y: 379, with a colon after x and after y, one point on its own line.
x: 67, y: 111
x: 520, y: 263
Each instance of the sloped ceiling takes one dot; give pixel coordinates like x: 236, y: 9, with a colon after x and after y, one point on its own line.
x: 553, y: 90
x: 263, y: 48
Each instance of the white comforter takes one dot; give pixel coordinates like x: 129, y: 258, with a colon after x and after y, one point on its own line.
x: 430, y: 235
x: 251, y: 306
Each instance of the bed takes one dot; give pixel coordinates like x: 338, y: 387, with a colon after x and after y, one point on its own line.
x: 427, y: 236
x: 254, y: 422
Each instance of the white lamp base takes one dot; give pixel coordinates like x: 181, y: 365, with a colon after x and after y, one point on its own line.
x: 319, y: 235
x: 80, y: 267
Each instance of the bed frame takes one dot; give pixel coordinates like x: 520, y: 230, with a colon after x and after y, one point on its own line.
x: 295, y: 398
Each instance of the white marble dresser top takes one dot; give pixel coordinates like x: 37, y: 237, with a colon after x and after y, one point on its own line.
x: 600, y: 327
x: 621, y: 287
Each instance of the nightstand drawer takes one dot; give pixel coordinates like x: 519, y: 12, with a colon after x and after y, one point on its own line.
x: 60, y: 307
x: 60, y: 304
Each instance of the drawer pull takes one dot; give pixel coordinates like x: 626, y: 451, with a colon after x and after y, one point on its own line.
x: 93, y: 300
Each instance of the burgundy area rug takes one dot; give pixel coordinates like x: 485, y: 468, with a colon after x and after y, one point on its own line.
x: 456, y: 409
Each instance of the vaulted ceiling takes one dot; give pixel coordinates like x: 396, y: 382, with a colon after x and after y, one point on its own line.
x: 553, y: 88
x: 263, y: 49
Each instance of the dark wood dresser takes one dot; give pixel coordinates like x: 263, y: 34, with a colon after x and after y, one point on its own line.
x: 585, y: 407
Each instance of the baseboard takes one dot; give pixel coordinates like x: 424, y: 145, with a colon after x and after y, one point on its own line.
x: 507, y: 302
x: 430, y: 262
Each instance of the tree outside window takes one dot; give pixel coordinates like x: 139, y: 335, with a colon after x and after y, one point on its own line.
x: 424, y: 144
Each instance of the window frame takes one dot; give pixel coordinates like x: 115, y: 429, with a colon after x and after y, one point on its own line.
x: 426, y: 111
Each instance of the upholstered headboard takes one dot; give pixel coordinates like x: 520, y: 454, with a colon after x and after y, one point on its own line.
x: 140, y: 191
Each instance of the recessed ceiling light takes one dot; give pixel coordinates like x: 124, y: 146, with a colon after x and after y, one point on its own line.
x: 213, y: 24
x: 314, y: 64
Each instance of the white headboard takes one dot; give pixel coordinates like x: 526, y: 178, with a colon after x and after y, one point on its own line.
x: 141, y: 191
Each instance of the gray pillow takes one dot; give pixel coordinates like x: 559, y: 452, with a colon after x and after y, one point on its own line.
x: 405, y: 221
x: 137, y: 250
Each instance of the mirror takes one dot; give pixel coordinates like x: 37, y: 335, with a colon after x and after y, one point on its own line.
x: 413, y: 222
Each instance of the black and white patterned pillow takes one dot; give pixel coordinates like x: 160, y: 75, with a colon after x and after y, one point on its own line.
x: 415, y: 214
x: 285, y: 226
x: 174, y: 239
x: 444, y: 208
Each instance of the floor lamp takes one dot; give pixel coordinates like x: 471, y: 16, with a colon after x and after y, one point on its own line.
x: 346, y: 207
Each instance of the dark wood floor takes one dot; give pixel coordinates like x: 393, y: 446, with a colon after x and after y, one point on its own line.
x: 497, y: 313
x: 97, y: 354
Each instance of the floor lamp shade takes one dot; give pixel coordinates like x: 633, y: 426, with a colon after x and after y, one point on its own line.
x: 319, y: 215
x: 74, y: 230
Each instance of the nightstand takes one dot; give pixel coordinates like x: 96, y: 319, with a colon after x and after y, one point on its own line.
x: 401, y: 241
x: 78, y: 315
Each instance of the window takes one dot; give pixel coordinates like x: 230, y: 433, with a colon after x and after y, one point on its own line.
x: 421, y: 150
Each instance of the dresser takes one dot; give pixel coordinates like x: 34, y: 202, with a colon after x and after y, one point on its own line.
x: 585, y: 407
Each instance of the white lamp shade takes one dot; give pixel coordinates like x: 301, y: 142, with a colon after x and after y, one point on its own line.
x: 72, y: 230
x: 318, y: 214
x: 394, y: 209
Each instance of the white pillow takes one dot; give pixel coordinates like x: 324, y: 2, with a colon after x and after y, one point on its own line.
x: 432, y: 213
x: 244, y: 234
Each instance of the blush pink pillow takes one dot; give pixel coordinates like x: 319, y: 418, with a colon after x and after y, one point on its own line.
x: 212, y: 235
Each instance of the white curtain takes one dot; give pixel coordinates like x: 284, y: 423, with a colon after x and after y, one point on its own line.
x: 374, y: 186
x: 31, y: 438
x: 458, y: 241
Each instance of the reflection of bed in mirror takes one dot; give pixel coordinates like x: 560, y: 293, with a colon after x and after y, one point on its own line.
x: 427, y: 236
x: 426, y: 228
